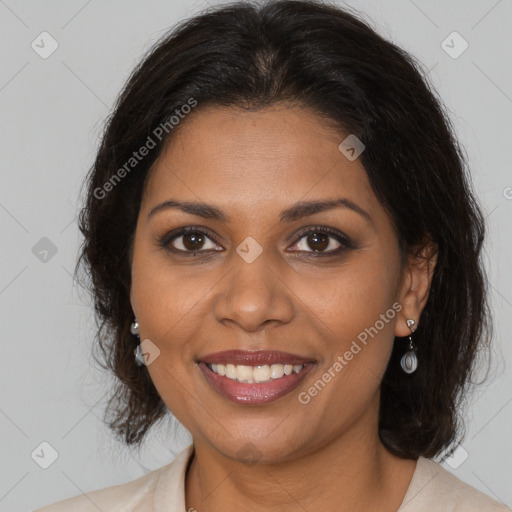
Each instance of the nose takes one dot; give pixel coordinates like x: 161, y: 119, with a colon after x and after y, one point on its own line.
x: 253, y: 296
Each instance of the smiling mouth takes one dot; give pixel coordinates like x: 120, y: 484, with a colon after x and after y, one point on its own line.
x: 254, y: 377
x: 249, y: 390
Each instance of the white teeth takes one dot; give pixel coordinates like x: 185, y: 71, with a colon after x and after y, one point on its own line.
x: 230, y: 371
x: 276, y: 371
x: 251, y: 374
x: 243, y: 373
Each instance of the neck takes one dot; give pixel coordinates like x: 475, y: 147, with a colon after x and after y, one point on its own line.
x: 352, y: 472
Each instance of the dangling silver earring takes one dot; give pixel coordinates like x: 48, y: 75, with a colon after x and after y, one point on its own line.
x: 409, y: 361
x: 135, y: 330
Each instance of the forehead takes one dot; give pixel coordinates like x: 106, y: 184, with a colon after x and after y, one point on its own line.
x: 245, y: 160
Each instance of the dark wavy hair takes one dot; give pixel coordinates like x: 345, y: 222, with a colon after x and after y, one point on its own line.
x: 329, y: 60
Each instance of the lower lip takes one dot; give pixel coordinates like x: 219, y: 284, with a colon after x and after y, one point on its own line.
x: 253, y: 394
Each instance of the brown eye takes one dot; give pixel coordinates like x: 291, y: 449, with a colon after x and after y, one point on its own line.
x: 193, y: 241
x: 320, y: 241
x: 317, y: 241
x: 189, y: 240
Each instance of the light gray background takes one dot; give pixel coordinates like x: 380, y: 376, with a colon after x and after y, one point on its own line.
x: 51, y: 116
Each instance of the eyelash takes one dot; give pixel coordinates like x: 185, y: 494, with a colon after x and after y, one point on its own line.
x: 346, y: 243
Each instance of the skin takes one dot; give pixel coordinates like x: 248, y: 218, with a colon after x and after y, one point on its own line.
x: 324, y: 455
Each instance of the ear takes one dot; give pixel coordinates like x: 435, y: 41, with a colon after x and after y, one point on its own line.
x: 415, y: 287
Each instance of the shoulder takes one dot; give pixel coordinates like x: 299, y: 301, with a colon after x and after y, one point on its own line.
x: 142, y: 494
x: 434, y: 489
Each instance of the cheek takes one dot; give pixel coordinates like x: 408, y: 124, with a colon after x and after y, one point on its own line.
x: 168, y: 307
x: 165, y: 296
x: 354, y: 308
x: 352, y: 297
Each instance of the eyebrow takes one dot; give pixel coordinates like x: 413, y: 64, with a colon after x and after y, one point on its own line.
x: 295, y: 212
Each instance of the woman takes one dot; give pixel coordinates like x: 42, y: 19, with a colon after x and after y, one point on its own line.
x: 284, y: 250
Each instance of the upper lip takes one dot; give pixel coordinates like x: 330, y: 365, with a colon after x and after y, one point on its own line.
x: 254, y: 358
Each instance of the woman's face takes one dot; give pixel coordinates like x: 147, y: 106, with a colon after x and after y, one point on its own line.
x: 255, y: 282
